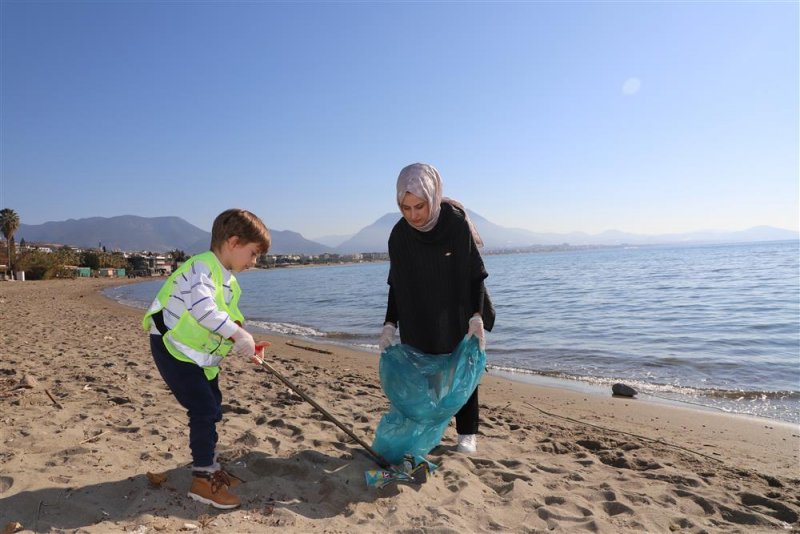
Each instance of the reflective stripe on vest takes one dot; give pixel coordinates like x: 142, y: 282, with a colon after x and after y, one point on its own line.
x: 188, y: 340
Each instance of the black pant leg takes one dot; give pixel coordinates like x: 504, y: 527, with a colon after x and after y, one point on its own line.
x: 201, y: 398
x: 467, y: 416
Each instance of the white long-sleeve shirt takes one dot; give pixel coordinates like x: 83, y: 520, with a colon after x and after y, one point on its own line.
x: 194, y: 291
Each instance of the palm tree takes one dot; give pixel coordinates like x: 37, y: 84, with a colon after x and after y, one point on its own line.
x: 9, y: 222
x: 178, y: 256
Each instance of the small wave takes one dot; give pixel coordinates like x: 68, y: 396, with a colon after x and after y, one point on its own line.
x: 653, y: 387
x: 751, y: 395
x: 779, y: 405
x: 122, y: 295
x: 131, y: 303
x: 344, y: 335
x: 288, y: 329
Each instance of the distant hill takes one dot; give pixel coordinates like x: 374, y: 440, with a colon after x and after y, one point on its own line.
x: 157, y: 234
x: 125, y: 232
x: 374, y: 237
x: 332, y: 241
x: 615, y: 237
x: 161, y: 234
x: 288, y: 242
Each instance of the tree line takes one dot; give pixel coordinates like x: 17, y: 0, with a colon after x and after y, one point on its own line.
x: 60, y: 263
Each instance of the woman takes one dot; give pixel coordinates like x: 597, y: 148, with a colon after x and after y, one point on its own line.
x: 436, y: 274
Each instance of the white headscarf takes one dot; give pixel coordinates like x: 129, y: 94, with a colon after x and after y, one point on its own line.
x: 423, y: 181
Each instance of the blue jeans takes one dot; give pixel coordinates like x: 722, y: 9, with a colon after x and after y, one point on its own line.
x: 200, y: 396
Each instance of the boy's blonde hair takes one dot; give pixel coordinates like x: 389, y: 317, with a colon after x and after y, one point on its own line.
x: 242, y: 224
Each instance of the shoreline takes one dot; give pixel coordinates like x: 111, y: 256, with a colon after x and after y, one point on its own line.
x: 577, y: 385
x: 656, y: 393
x: 539, y: 381
x: 86, y: 417
x: 593, y: 390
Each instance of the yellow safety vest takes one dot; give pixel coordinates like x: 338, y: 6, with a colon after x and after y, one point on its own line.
x: 188, y: 340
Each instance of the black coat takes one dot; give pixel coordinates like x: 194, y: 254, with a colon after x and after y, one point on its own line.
x: 436, y: 279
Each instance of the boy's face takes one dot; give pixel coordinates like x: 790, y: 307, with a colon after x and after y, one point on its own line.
x: 238, y: 256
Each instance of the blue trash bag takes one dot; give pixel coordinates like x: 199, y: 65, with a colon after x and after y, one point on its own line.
x: 425, y: 392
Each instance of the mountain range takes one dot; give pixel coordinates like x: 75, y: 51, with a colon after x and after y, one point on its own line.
x: 161, y: 234
x: 157, y: 234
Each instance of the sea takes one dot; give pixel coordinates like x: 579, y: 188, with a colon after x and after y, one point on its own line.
x: 715, y: 327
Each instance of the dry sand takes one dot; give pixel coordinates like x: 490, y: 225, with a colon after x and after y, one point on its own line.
x: 85, y: 416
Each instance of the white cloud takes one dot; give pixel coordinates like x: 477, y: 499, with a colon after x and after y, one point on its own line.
x: 631, y: 86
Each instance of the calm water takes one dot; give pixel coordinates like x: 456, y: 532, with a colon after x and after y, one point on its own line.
x: 717, y: 326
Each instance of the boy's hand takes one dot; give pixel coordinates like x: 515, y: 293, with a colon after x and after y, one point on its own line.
x: 258, y: 357
x: 244, y: 344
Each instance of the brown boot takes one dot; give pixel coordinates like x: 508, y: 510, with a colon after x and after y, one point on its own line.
x: 230, y: 479
x: 212, y: 488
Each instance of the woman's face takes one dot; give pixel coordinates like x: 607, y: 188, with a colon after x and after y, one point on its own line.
x: 415, y: 210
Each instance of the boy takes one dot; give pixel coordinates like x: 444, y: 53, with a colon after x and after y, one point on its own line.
x: 194, y: 322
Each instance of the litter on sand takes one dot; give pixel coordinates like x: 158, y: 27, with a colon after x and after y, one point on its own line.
x: 409, y: 472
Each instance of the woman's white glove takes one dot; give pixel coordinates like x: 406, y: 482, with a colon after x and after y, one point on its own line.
x: 244, y: 344
x: 476, y: 329
x: 387, y: 336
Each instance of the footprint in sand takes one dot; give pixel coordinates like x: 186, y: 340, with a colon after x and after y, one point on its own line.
x: 5, y: 484
x: 552, y: 469
x: 502, y: 482
x: 637, y: 499
x: 707, y: 506
x: 323, y: 426
x: 770, y: 507
x: 556, y: 447
x: 228, y: 408
x: 482, y: 463
x: 276, y: 423
x: 613, y: 508
x: 248, y: 439
x: 614, y: 455
x: 557, y: 508
x: 453, y: 482
x: 286, y: 429
x: 274, y: 442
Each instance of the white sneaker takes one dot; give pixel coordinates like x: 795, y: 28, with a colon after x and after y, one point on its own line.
x: 467, y: 443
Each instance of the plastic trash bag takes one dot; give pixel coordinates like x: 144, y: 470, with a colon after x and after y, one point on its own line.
x: 425, y: 392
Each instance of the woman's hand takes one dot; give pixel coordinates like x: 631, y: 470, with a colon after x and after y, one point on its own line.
x: 476, y: 329
x: 387, y: 336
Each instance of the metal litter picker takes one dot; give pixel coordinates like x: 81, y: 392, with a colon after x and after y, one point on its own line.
x: 380, y: 460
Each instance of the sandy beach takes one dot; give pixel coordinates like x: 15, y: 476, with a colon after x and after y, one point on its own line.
x: 85, y: 417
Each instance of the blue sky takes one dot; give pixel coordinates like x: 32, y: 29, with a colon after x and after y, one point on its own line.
x: 554, y: 117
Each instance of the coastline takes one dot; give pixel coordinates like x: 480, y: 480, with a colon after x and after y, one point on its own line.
x: 748, y: 396
x: 549, y: 458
